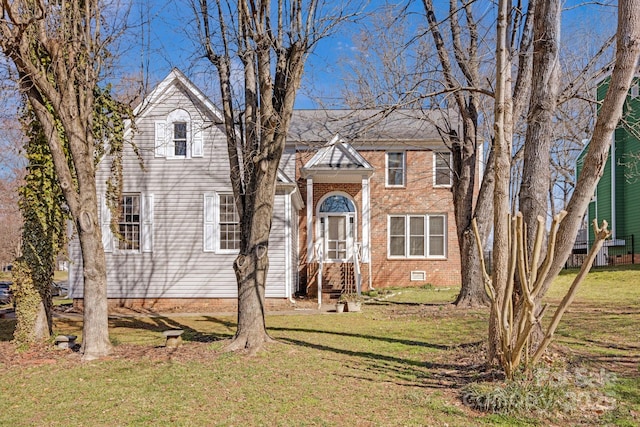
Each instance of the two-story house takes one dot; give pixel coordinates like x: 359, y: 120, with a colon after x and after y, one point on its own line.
x: 363, y: 200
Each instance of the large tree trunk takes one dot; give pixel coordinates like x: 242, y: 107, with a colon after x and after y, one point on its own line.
x: 536, y: 169
x: 58, y: 52
x: 472, y: 292
x: 503, y: 125
x: 272, y: 65
x: 464, y: 147
x: 32, y: 304
x: 252, y: 265
x: 95, y: 330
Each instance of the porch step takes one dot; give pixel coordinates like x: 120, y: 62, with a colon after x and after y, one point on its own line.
x: 331, y: 293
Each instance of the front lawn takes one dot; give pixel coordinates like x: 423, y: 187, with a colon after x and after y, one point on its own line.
x: 402, y: 361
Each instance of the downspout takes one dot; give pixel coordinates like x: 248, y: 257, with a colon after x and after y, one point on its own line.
x: 613, y: 186
x: 366, y: 226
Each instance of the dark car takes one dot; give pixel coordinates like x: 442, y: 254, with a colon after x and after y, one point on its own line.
x: 5, y: 293
x: 59, y: 289
x: 63, y: 288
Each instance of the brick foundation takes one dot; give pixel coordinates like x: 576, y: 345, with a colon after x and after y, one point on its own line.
x: 185, y: 305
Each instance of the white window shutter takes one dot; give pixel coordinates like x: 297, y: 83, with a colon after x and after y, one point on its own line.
x: 105, y: 222
x: 209, y: 216
x: 160, y: 139
x: 197, y: 137
x: 147, y: 223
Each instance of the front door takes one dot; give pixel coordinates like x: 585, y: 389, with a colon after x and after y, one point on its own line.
x: 337, y: 228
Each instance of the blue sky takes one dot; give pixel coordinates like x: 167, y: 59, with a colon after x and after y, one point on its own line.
x: 169, y: 42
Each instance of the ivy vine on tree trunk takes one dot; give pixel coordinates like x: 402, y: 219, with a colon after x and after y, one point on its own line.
x: 43, y: 236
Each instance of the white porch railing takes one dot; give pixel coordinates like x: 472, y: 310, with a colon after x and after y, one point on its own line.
x: 357, y: 248
x: 320, y: 258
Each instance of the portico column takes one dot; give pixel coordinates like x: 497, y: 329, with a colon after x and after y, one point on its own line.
x: 310, y: 254
x: 366, y: 219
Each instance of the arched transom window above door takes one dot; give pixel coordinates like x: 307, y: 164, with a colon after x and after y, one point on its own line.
x: 336, y: 227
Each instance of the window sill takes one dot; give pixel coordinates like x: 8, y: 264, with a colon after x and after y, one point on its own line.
x: 124, y: 252
x: 416, y: 258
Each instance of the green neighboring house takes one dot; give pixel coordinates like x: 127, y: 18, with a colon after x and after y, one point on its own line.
x: 617, y: 195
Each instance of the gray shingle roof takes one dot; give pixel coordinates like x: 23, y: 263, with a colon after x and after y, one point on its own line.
x: 315, y: 127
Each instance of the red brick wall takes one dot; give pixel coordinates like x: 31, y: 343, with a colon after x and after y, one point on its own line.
x: 417, y: 197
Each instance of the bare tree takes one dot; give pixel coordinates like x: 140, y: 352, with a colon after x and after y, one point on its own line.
x: 11, y: 174
x: 517, y: 262
x: 460, y: 65
x: 58, y: 50
x: 269, y: 43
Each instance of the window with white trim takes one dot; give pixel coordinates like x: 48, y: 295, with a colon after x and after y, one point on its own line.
x: 134, y: 225
x: 129, y: 223
x: 396, y: 169
x: 442, y: 169
x: 178, y: 136
x: 180, y: 139
x: 417, y: 236
x: 221, y: 224
x: 229, y: 223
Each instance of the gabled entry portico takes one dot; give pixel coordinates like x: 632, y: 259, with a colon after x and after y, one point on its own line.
x: 338, y: 215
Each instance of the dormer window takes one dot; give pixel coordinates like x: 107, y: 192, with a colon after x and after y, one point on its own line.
x: 178, y: 137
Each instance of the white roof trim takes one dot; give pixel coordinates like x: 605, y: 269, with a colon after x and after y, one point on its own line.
x: 174, y: 76
x: 344, y: 147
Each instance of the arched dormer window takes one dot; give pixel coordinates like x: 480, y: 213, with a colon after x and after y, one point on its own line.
x: 178, y: 137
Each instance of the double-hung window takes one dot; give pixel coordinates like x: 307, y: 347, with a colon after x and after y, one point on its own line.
x: 229, y: 223
x: 179, y: 136
x: 221, y: 223
x: 129, y: 223
x: 442, y: 169
x: 134, y: 224
x: 396, y: 175
x: 417, y: 236
x: 180, y: 139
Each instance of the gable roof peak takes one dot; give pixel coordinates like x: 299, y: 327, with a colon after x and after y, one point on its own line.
x: 174, y: 77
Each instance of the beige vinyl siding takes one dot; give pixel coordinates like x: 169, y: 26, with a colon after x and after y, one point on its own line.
x: 177, y: 266
x: 276, y: 285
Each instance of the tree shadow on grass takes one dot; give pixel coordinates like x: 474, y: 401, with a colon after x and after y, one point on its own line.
x: 163, y: 323
x: 376, y: 367
x: 386, y: 303
x: 373, y: 365
x: 371, y: 337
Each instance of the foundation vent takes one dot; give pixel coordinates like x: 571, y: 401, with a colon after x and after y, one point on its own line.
x: 418, y: 276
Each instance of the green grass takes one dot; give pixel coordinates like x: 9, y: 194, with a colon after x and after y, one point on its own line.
x: 402, y: 361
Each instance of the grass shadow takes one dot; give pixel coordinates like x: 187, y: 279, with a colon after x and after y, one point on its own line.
x: 163, y: 323
x: 403, y: 371
x: 371, y: 337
